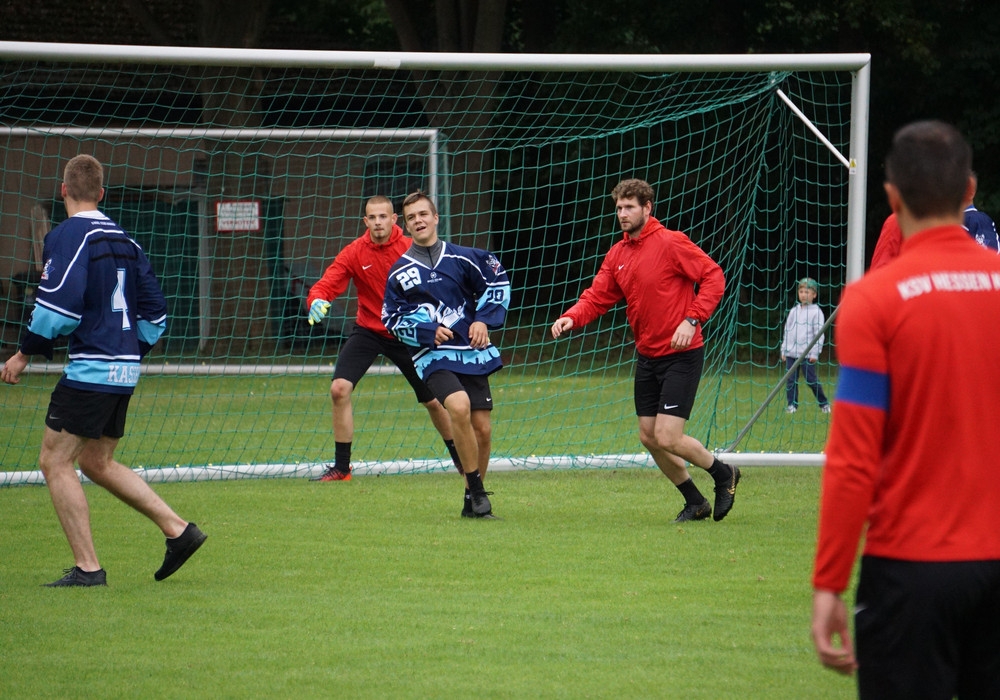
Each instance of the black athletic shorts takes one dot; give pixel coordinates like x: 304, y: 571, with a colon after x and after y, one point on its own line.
x: 928, y: 629
x: 668, y: 384
x: 360, y: 350
x: 89, y: 414
x: 444, y: 383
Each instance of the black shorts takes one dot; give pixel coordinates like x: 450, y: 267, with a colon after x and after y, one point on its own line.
x: 444, y: 383
x: 89, y: 414
x: 668, y: 384
x: 360, y: 350
x: 928, y: 629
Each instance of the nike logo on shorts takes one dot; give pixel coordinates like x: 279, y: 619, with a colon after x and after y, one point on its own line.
x: 667, y: 407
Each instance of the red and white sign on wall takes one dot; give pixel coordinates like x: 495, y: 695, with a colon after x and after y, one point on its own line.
x: 237, y: 216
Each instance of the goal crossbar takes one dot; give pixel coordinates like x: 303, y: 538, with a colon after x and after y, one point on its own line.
x: 401, y: 60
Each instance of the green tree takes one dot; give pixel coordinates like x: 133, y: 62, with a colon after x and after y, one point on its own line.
x: 930, y: 59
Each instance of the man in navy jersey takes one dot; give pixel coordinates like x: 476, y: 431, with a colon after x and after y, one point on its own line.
x: 442, y: 300
x: 98, y: 288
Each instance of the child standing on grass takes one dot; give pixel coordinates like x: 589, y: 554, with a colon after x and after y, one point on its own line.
x: 805, y: 321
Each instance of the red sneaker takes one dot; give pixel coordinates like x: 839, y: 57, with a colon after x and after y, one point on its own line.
x: 332, y: 474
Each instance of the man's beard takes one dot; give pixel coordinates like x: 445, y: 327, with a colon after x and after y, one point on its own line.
x: 635, y: 228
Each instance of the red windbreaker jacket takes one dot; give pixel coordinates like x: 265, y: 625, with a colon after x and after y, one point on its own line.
x: 368, y: 265
x: 656, y: 275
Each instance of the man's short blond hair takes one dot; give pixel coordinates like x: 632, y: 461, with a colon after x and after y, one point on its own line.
x: 84, y: 178
x: 379, y: 199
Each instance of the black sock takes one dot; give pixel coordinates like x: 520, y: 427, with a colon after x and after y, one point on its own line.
x: 474, y: 480
x: 692, y: 496
x: 453, y: 451
x: 342, y: 457
x: 720, y: 471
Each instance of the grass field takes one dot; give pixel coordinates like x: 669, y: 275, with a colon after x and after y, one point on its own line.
x: 377, y: 588
x: 225, y: 420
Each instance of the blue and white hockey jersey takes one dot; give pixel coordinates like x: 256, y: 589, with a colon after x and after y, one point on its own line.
x: 463, y: 286
x: 98, y: 288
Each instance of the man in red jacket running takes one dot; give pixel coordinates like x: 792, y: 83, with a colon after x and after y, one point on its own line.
x: 656, y: 271
x: 367, y: 260
x: 911, y: 451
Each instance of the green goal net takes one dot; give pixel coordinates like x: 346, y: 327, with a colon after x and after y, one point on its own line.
x: 243, y: 173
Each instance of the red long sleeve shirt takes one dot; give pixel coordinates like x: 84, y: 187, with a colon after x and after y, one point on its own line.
x: 656, y: 275
x: 911, y: 450
x: 367, y: 263
x: 890, y: 238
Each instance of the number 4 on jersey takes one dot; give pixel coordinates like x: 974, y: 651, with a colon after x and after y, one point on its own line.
x: 118, y: 302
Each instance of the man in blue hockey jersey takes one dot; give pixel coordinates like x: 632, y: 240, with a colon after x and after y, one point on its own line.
x: 442, y: 300
x: 98, y: 288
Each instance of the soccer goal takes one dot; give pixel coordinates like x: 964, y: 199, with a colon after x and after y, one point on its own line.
x: 242, y: 173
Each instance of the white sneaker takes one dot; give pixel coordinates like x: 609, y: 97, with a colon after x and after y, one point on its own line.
x: 790, y: 409
x: 825, y: 409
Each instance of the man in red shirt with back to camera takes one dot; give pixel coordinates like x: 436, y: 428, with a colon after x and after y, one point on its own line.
x: 910, y: 454
x: 367, y: 260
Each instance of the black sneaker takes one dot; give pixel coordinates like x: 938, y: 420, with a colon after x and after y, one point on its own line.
x: 698, y: 511
x: 180, y: 549
x: 487, y: 516
x: 78, y: 577
x: 725, y: 493
x: 480, y: 502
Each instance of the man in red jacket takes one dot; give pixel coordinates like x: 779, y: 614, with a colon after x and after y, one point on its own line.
x: 911, y: 451
x: 656, y: 271
x: 367, y: 260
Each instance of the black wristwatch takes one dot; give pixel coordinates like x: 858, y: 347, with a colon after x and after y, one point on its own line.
x: 692, y: 321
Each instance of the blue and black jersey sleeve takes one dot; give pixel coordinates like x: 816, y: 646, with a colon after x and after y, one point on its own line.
x: 494, y: 296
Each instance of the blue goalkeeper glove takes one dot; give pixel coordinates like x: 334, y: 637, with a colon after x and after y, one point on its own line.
x: 318, y: 311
